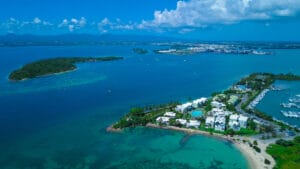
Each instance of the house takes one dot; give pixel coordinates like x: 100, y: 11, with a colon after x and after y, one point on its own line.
x: 233, y: 122
x: 233, y: 100
x: 199, y: 102
x: 193, y: 123
x: 217, y: 104
x: 219, y: 97
x: 163, y: 120
x: 209, y: 122
x: 217, y: 112
x: 220, y: 123
x: 184, y: 107
x: 181, y: 121
x: 243, y: 121
x: 241, y: 88
x: 170, y: 114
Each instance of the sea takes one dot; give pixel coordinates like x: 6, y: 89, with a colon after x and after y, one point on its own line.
x: 60, y: 121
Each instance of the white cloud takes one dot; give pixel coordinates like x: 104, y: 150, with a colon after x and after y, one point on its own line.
x: 196, y: 13
x: 73, y: 20
x: 36, y: 20
x: 73, y: 24
x: 82, y: 22
x: 71, y: 28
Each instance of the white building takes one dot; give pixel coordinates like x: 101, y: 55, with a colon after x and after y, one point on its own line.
x: 181, y: 121
x: 220, y: 123
x: 217, y: 104
x: 193, y: 123
x: 243, y: 121
x: 170, y: 114
x: 233, y: 122
x: 236, y: 122
x: 199, y: 102
x: 209, y: 122
x: 184, y: 107
x: 163, y: 120
x: 220, y: 112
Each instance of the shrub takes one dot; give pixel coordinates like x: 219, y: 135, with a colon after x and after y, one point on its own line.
x: 255, y: 143
x: 268, y: 162
x: 257, y: 149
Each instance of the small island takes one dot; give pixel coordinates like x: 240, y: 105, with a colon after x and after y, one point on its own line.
x: 53, y: 66
x: 230, y: 115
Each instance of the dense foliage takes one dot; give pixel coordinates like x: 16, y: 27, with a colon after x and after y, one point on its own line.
x: 142, y: 116
x: 286, y: 153
x: 52, y: 66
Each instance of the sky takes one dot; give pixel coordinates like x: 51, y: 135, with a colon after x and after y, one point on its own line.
x: 277, y: 20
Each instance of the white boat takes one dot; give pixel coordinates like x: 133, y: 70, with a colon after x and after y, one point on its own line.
x: 291, y: 114
x: 290, y: 105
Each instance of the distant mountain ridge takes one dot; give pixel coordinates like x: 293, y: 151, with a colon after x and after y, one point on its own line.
x: 11, y: 40
x: 74, y: 39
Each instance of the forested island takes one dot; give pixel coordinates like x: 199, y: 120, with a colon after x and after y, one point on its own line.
x: 53, y: 65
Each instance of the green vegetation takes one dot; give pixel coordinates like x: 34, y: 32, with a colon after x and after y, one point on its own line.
x: 286, y: 153
x: 268, y: 162
x: 52, y: 66
x: 141, y: 116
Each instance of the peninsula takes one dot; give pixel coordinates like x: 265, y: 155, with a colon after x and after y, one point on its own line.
x: 53, y: 66
x: 230, y: 115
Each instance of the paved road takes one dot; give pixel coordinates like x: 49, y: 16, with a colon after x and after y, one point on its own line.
x: 239, y: 109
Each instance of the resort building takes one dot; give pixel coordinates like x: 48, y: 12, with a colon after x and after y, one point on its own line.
x: 184, y: 107
x: 181, y: 121
x: 243, y: 121
x: 217, y: 104
x: 233, y: 99
x: 236, y: 122
x: 193, y: 123
x: 170, y: 114
x: 233, y: 122
x: 199, y: 102
x: 163, y: 120
x: 220, y: 123
x: 209, y: 122
x: 219, y: 97
x: 241, y: 88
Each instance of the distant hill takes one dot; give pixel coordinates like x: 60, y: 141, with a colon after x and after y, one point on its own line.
x: 74, y: 39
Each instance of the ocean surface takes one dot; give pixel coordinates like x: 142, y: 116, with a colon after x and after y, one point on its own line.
x: 59, y: 121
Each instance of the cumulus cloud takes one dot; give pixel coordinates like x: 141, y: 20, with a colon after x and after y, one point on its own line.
x: 37, y: 20
x: 106, y: 25
x: 73, y: 23
x: 198, y: 13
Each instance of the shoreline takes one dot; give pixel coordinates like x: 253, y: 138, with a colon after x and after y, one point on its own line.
x: 46, y: 75
x: 255, y: 160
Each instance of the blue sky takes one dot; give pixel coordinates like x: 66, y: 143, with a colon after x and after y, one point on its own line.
x: 196, y: 19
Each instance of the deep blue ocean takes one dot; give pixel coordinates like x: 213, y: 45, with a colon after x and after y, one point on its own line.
x: 59, y: 121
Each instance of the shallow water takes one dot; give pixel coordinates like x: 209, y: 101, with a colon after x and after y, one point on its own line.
x: 60, y: 121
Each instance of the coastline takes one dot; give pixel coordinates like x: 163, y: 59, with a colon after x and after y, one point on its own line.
x: 255, y: 160
x: 46, y: 75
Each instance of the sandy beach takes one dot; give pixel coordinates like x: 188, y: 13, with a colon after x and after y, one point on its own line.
x: 255, y: 159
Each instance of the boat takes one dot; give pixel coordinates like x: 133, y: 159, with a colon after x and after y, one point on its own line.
x: 291, y: 114
x: 290, y: 105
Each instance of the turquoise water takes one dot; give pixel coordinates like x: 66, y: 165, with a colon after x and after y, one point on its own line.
x: 60, y: 121
x: 196, y: 113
